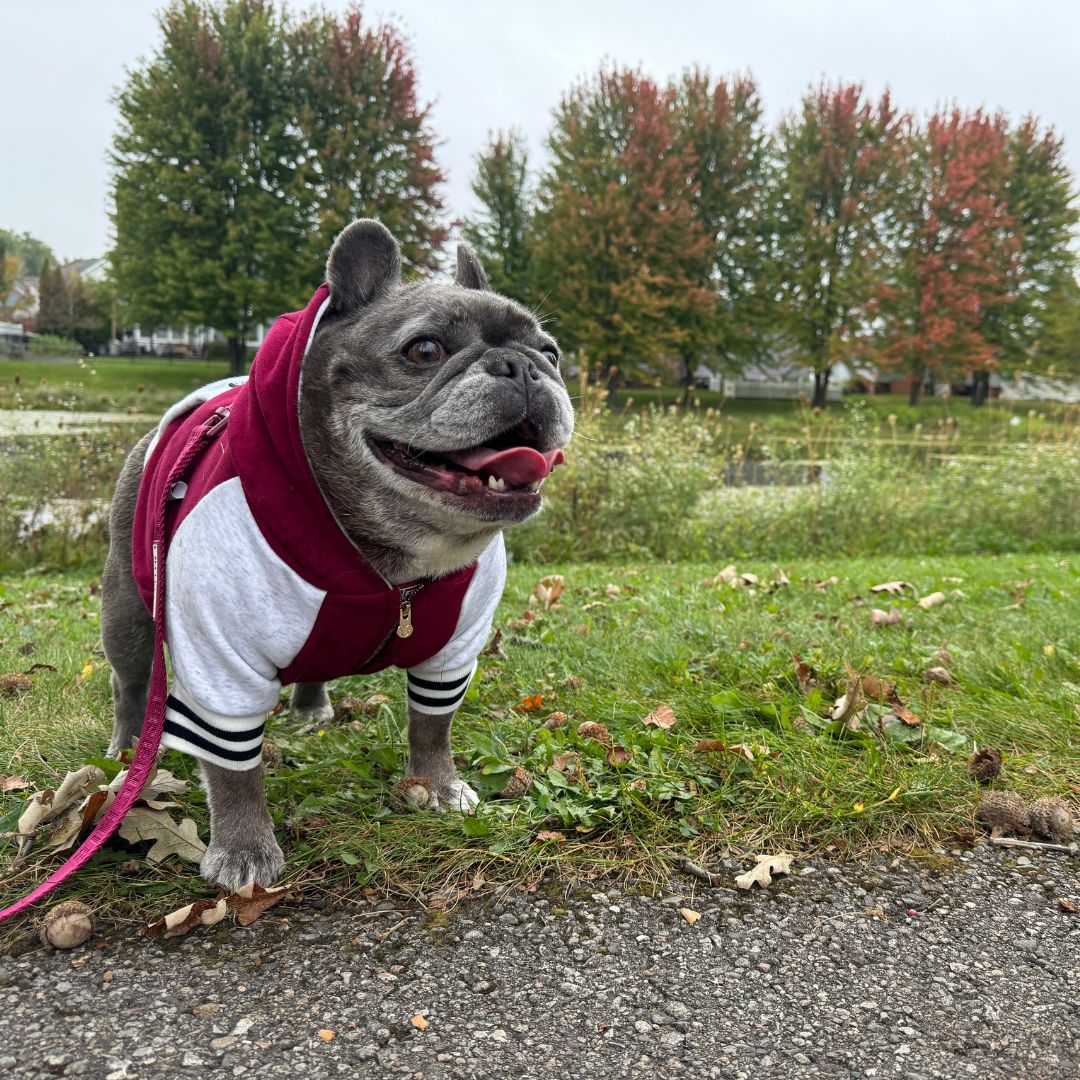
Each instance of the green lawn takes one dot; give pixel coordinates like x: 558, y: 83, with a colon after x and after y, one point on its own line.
x: 622, y: 641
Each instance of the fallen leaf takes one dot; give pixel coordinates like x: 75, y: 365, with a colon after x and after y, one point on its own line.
x: 806, y: 675
x: 326, y: 1034
x: 932, y: 600
x: 767, y: 865
x: 886, y: 618
x: 547, y: 834
x: 14, y: 684
x: 560, y: 761
x: 87, y: 671
x: 169, y: 837
x: 13, y: 783
x: 183, y: 920
x: 494, y: 646
x: 44, y: 806
x: 250, y: 901
x: 906, y: 716
x: 612, y: 590
x: 663, y: 716
x: 822, y: 586
x: 938, y: 675
x: 893, y: 588
x: 530, y: 703
x: 709, y: 746
x: 1067, y: 905
x: 39, y: 667
x: 27, y: 649
x: 419, y: 1022
x: 846, y: 707
x: 616, y: 755
x: 548, y: 590
x: 690, y: 915
x: 876, y: 689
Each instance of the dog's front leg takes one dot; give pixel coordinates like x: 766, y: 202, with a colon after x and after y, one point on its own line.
x: 431, y: 759
x: 242, y: 845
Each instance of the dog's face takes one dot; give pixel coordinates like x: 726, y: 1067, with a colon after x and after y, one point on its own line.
x: 443, y: 405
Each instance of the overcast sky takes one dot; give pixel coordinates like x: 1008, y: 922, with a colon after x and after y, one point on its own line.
x: 486, y: 64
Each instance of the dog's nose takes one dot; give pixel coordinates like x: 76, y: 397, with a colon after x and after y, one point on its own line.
x: 511, y: 365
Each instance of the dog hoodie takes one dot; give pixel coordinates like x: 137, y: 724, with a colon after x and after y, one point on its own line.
x: 263, y: 588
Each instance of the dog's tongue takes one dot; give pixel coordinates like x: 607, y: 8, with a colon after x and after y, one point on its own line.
x: 518, y: 466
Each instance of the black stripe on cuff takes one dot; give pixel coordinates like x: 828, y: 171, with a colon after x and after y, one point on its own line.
x: 173, y: 728
x: 218, y: 733
x: 436, y: 703
x: 432, y: 684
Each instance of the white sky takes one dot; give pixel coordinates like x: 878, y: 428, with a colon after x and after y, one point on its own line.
x: 486, y: 64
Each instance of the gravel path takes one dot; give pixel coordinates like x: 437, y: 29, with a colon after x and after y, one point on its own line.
x: 825, y: 974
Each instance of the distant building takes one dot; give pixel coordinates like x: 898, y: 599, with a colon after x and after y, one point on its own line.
x: 22, y: 303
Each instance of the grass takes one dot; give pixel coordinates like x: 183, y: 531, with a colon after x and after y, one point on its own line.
x: 622, y: 641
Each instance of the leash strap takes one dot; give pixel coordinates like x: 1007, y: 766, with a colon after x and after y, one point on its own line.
x: 154, y: 721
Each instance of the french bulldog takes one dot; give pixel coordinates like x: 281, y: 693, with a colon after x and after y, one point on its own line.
x: 347, y: 518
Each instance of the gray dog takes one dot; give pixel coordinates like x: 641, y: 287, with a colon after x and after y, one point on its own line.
x: 347, y: 517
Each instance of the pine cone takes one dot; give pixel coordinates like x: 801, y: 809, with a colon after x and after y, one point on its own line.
x: 985, y: 765
x: 1051, y: 818
x: 520, y: 781
x: 1005, y: 813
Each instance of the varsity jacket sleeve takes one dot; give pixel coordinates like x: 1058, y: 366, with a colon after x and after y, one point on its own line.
x: 438, y: 685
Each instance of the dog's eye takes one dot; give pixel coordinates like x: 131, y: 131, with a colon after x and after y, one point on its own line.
x: 550, y: 355
x: 426, y: 351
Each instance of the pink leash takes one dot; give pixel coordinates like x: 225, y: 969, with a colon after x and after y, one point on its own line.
x: 154, y: 721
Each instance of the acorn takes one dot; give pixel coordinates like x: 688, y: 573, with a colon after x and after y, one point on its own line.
x: 1004, y: 812
x: 520, y: 781
x: 1051, y: 818
x: 411, y: 793
x: 67, y: 925
x: 592, y: 730
x: 984, y: 765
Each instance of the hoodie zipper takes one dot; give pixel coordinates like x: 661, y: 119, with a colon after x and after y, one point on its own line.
x: 404, y: 627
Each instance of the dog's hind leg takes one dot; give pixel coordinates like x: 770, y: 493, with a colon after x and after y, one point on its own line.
x: 311, y: 703
x: 127, y: 631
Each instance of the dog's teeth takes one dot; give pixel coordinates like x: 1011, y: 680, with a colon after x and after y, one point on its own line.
x: 496, y: 483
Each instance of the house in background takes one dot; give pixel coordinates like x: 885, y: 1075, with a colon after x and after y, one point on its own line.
x: 776, y: 378
x: 22, y: 303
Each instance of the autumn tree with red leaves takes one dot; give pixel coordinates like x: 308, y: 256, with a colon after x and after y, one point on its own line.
x: 953, y: 248
x: 833, y: 161
x: 619, y: 254
x: 245, y: 143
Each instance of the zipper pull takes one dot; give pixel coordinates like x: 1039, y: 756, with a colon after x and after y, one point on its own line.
x: 405, y: 626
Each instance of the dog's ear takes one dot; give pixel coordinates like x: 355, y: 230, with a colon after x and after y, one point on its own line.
x: 364, y: 264
x: 470, y: 274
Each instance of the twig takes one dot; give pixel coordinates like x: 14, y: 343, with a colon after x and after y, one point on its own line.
x: 699, y: 872
x: 1034, y: 845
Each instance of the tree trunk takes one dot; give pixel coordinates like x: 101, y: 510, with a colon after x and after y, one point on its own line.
x: 237, y: 356
x: 821, y: 387
x: 916, y: 387
x: 980, y: 388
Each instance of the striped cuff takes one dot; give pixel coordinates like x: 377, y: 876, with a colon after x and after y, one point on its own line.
x: 439, y: 694
x: 231, y: 742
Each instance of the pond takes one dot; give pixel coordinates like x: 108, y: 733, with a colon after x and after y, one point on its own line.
x: 65, y: 422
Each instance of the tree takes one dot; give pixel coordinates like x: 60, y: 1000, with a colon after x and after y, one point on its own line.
x: 499, y: 233
x: 368, y: 146
x: 54, y: 302
x: 720, y: 125
x: 245, y: 143
x: 31, y: 253
x: 952, y: 247
x: 9, y: 268
x: 1057, y: 351
x: 832, y: 167
x: 1036, y: 259
x: 618, y: 251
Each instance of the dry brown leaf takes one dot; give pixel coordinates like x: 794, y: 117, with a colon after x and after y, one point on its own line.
x: 494, y: 646
x: 14, y: 684
x: 87, y: 671
x: 846, y: 708
x: 177, y: 923
x: 616, y: 755
x: 419, y: 1022
x: 876, y: 689
x: 893, y: 588
x: 709, y: 746
x: 886, y: 618
x: 806, y: 675
x: 169, y: 837
x: 548, y: 834
x: 1067, y: 905
x: 250, y: 901
x: 690, y: 915
x: 561, y: 761
x: 822, y: 586
x: 906, y: 716
x: 762, y: 874
x: 13, y: 783
x: 932, y: 600
x: 326, y: 1034
x: 39, y: 667
x: 663, y: 716
x: 548, y: 590
x: 47, y: 805
x: 939, y: 675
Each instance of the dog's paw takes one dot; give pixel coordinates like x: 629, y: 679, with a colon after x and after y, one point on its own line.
x: 456, y: 795
x: 233, y: 867
x: 313, y: 714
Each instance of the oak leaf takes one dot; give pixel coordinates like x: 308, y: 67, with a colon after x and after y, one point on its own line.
x: 893, y: 588
x: 762, y: 874
x: 663, y: 716
x: 168, y: 836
